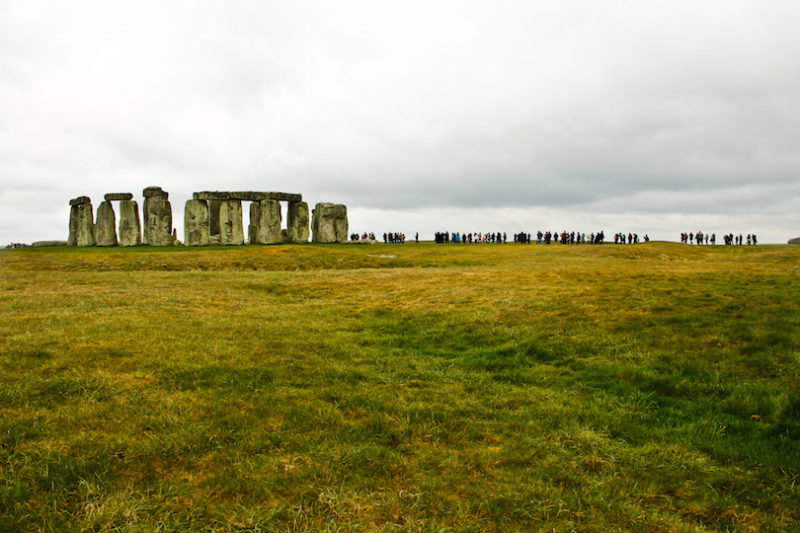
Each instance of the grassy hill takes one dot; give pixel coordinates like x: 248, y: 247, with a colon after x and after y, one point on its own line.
x: 653, y: 387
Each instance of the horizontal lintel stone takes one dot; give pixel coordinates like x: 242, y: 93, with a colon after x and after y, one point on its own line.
x: 80, y: 200
x: 155, y: 192
x: 248, y: 196
x: 118, y: 196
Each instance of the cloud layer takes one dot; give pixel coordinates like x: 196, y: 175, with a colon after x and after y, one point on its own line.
x: 646, y: 115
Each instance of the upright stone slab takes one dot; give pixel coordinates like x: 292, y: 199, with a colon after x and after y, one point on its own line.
x: 153, y: 194
x: 158, y: 222
x: 74, y: 217
x: 265, y: 222
x: 340, y: 225
x: 72, y: 240
x: 85, y: 235
x: 130, y: 228
x: 329, y: 223
x: 195, y: 223
x: 230, y: 222
x: 296, y: 222
x: 106, y: 225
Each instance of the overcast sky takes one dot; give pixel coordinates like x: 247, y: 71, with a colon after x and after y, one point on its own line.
x: 654, y: 117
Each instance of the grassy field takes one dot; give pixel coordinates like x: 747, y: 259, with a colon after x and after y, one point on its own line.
x: 653, y: 387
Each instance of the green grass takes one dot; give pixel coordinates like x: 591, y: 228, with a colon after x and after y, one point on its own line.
x: 433, y: 388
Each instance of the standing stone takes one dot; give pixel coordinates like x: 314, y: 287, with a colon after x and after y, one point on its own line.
x: 195, y: 223
x: 106, y: 226
x: 329, y: 223
x: 72, y: 240
x: 158, y: 222
x: 152, y: 194
x: 340, y: 224
x: 296, y: 222
x: 796, y: 240
x: 265, y: 222
x: 85, y: 235
x: 130, y: 228
x: 74, y: 217
x: 230, y: 222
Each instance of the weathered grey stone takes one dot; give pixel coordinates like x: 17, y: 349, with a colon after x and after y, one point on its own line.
x: 230, y: 222
x: 112, y: 196
x: 130, y: 228
x: 329, y: 223
x: 106, y: 225
x: 195, y: 223
x: 72, y: 240
x: 80, y: 200
x: 296, y: 222
x: 213, y: 217
x: 158, y: 222
x: 796, y: 240
x: 155, y: 192
x: 84, y: 233
x: 38, y: 244
x: 248, y: 196
x: 341, y: 226
x: 265, y: 222
x: 214, y: 240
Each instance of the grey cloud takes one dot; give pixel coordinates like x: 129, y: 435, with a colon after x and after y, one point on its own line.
x: 620, y: 109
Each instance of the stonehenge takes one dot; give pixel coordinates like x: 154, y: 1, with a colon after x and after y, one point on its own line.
x: 225, y: 217
x: 86, y: 231
x: 210, y: 218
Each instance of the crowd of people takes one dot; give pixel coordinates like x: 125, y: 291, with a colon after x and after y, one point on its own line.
x: 554, y: 237
x: 469, y: 238
x: 632, y: 238
x: 729, y: 239
x: 396, y: 238
x: 549, y: 237
x: 362, y: 237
